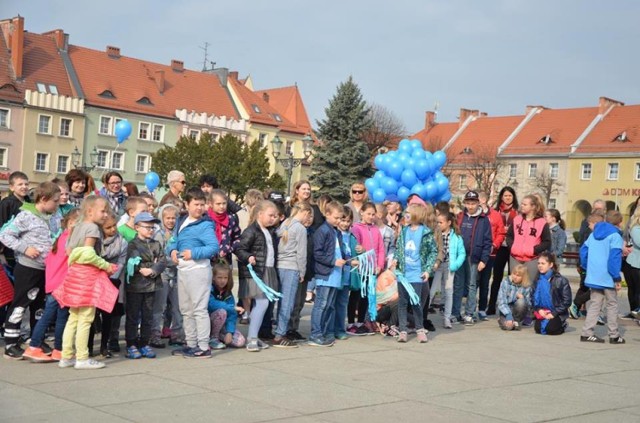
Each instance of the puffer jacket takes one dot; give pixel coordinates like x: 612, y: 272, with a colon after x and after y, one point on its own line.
x: 198, y: 236
x: 560, y: 296
x: 148, y: 255
x: 56, y: 264
x: 29, y: 228
x: 253, y: 243
x: 224, y: 300
x: 527, y: 239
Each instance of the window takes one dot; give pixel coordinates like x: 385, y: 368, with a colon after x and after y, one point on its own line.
x: 4, y: 118
x: 44, y: 124
x: 107, y: 94
x: 255, y: 108
x: 41, y: 87
x: 195, y: 134
x: 142, y: 163
x: 105, y: 125
x: 143, y: 130
x: 637, y: 178
x: 103, y: 158
x: 117, y: 160
x: 277, y: 117
x: 66, y: 125
x: 4, y: 154
x: 289, y: 148
x: 462, y: 182
x: 533, y: 170
x: 553, y: 203
x: 145, y: 101
x: 585, y: 173
x: 63, y: 164
x: 53, y: 89
x: 42, y: 162
x: 513, y: 170
x: 612, y: 171
x: 262, y: 138
x: 158, y: 132
x: 115, y: 122
x: 553, y: 171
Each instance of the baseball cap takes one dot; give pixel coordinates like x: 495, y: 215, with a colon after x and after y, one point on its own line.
x: 276, y: 196
x: 145, y: 217
x: 471, y: 196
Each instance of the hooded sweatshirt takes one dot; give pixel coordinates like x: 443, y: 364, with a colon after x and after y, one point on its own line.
x: 292, y: 254
x: 29, y: 228
x: 601, y: 255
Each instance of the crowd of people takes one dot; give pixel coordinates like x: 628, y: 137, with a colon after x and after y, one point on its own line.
x: 77, y: 261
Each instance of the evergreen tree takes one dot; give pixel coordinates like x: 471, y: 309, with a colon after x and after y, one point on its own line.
x: 342, y: 157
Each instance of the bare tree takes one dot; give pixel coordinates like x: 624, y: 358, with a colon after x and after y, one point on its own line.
x: 387, y: 129
x: 547, y: 186
x: 482, y: 165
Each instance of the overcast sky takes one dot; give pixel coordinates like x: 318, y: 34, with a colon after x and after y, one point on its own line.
x: 496, y: 56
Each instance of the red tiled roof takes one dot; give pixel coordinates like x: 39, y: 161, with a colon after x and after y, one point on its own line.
x: 8, y: 88
x: 563, y: 126
x: 607, y: 134
x: 289, y: 102
x: 483, y: 136
x: 131, y: 79
x: 436, y: 138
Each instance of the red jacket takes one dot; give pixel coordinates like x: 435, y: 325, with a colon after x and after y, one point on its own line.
x: 498, y: 230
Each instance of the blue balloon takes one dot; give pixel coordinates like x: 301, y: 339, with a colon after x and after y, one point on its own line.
x: 419, y: 154
x: 403, y: 194
x: 404, y: 142
x: 403, y: 158
x: 379, y: 195
x: 442, y: 185
x: 432, y: 190
x: 371, y: 184
x: 379, y: 175
x: 416, y: 145
x: 408, y: 178
x: 439, y: 158
x: 152, y: 180
x: 406, y: 147
x: 420, y: 190
x: 389, y: 185
x: 378, y: 161
x: 423, y: 169
x: 446, y: 196
x: 439, y: 175
x: 123, y: 130
x: 395, y: 170
x: 392, y: 155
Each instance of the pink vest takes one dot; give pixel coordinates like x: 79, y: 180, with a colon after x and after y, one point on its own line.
x: 56, y: 265
x: 86, y: 286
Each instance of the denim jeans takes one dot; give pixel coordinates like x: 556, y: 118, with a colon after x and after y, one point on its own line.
x: 440, y: 280
x: 338, y: 325
x: 467, y: 276
x: 483, y: 285
x: 289, y: 281
x: 52, y: 311
x: 323, y: 311
x: 422, y: 290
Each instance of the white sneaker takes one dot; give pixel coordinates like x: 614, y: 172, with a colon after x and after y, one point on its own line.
x: 447, y: 323
x: 66, y: 362
x: 89, y: 364
x: 468, y: 320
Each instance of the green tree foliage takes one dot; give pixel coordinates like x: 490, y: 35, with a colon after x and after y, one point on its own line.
x: 237, y: 166
x: 343, y: 157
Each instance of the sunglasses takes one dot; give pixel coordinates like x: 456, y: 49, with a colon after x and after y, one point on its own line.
x: 357, y: 191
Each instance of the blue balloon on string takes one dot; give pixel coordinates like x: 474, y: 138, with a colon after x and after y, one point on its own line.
x: 389, y: 185
x: 395, y: 170
x: 403, y: 194
x: 446, y: 196
x: 408, y: 178
x: 152, y: 180
x: 432, y: 190
x: 442, y: 185
x: 371, y: 184
x: 123, y: 130
x: 419, y: 154
x: 416, y: 145
x: 379, y: 161
x: 439, y: 158
x: 422, y: 169
x: 379, y: 175
x: 379, y: 195
x: 420, y: 190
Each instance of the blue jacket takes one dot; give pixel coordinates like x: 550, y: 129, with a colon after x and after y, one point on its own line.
x: 507, y: 296
x: 478, y: 229
x: 198, y: 236
x: 324, y: 250
x: 224, y: 300
x: 558, y: 240
x: 633, y: 259
x: 601, y: 256
x: 457, y: 253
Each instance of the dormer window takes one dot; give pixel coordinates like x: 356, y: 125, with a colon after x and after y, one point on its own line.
x: 622, y: 137
x: 277, y: 117
x: 145, y: 101
x: 546, y: 139
x: 41, y: 87
x: 467, y: 150
x: 107, y: 94
x: 53, y: 89
x: 255, y: 108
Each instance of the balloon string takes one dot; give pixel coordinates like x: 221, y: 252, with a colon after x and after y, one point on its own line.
x: 270, y: 293
x: 413, y: 297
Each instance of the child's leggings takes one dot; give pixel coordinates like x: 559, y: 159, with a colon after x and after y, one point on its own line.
x: 218, y: 320
x: 256, y: 316
x: 76, y: 332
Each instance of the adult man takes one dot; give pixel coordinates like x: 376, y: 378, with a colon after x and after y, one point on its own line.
x: 176, y: 182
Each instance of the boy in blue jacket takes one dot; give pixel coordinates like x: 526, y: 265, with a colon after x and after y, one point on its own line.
x: 191, y: 247
x: 601, y: 256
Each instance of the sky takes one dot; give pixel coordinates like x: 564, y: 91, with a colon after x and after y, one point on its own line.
x: 497, y: 56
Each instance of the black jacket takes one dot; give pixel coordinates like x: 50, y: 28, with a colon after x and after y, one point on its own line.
x: 560, y: 295
x: 151, y: 256
x: 253, y: 243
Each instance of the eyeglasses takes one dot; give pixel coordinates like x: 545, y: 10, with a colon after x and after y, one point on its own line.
x: 114, y: 183
x: 145, y: 227
x: 357, y: 191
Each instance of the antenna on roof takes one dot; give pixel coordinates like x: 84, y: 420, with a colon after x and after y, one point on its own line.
x: 206, y: 55
x: 436, y: 106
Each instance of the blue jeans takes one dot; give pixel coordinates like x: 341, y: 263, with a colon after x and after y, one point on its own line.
x: 52, y: 311
x: 466, y: 276
x: 289, y: 281
x: 338, y: 325
x: 323, y: 311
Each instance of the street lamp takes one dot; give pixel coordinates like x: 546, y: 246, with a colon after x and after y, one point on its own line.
x: 289, y: 162
x: 76, y: 160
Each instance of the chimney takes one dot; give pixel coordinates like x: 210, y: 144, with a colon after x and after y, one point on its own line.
x: 465, y: 114
x: 159, y: 78
x: 59, y: 37
x: 531, y: 107
x: 233, y: 75
x: 429, y: 120
x: 113, y: 52
x: 605, y: 103
x: 17, y: 45
x: 265, y: 97
x: 177, y: 65
x: 484, y: 114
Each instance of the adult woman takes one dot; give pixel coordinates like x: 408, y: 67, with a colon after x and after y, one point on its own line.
x: 301, y: 193
x: 358, y: 196
x: 631, y: 264
x: 508, y: 208
x: 112, y: 191
x: 77, y: 181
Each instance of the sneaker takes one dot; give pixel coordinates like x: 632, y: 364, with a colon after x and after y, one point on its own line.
x: 402, y: 337
x: 66, y: 362
x: 14, y: 352
x: 627, y: 317
x: 295, y: 336
x: 428, y: 325
x: 636, y: 314
x: 89, y: 364
x: 421, y: 336
x: 147, y: 352
x: 216, y: 344
x: 157, y: 343
x: 393, y: 331
x: 592, y: 338
x: 283, y: 342
x: 114, y: 346
x: 516, y: 326
x: 198, y: 353
x: 46, y: 348
x: 175, y: 342
x: 456, y: 320
x: 362, y: 331
x: 266, y: 335
x: 482, y: 316
x: 133, y: 353
x: 244, y: 319
x: 371, y: 327
x: 36, y: 355
x: 468, y: 321
x: 56, y: 355
x: 574, y: 313
x: 106, y: 354
x: 601, y: 320
x: 179, y: 352
x: 309, y: 298
x: 252, y: 346
x: 617, y: 340
x: 351, y: 330
x: 317, y: 342
x: 342, y: 336
x: 447, y: 324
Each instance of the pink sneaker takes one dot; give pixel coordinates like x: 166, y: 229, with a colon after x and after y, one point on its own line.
x: 421, y: 336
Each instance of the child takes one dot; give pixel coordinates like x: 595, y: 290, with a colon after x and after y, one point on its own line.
x: 329, y: 256
x: 145, y: 263
x: 318, y: 220
x: 63, y: 207
x: 475, y: 230
x: 551, y: 297
x: 223, y: 311
x: 10, y: 207
x: 388, y: 235
x: 454, y: 255
x: 369, y: 238
x: 416, y: 253
x: 514, y: 299
x: 133, y: 207
x: 258, y: 247
x: 292, y: 265
x: 55, y: 271
x: 86, y: 285
x: 498, y: 233
x: 387, y: 304
x: 601, y: 256
x: 227, y: 227
x: 150, y: 201
x: 558, y: 235
x: 29, y: 236
x: 192, y: 246
x: 349, y: 280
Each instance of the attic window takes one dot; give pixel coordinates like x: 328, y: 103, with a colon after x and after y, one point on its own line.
x: 107, y: 94
x: 546, y: 139
x: 41, y: 87
x: 277, y: 117
x: 53, y: 89
x: 255, y: 108
x: 467, y: 150
x: 145, y: 100
x: 622, y: 137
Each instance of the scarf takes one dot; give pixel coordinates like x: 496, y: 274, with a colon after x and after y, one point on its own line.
x: 116, y: 200
x: 508, y: 213
x: 221, y: 220
x: 542, y: 297
x: 76, y: 199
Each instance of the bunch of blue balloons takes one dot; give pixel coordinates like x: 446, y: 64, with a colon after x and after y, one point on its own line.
x: 409, y: 170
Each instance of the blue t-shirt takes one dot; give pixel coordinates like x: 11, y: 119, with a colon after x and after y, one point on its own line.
x: 412, y: 265
x: 346, y: 269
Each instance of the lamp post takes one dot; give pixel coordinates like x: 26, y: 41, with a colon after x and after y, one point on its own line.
x: 289, y: 162
x: 76, y: 160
